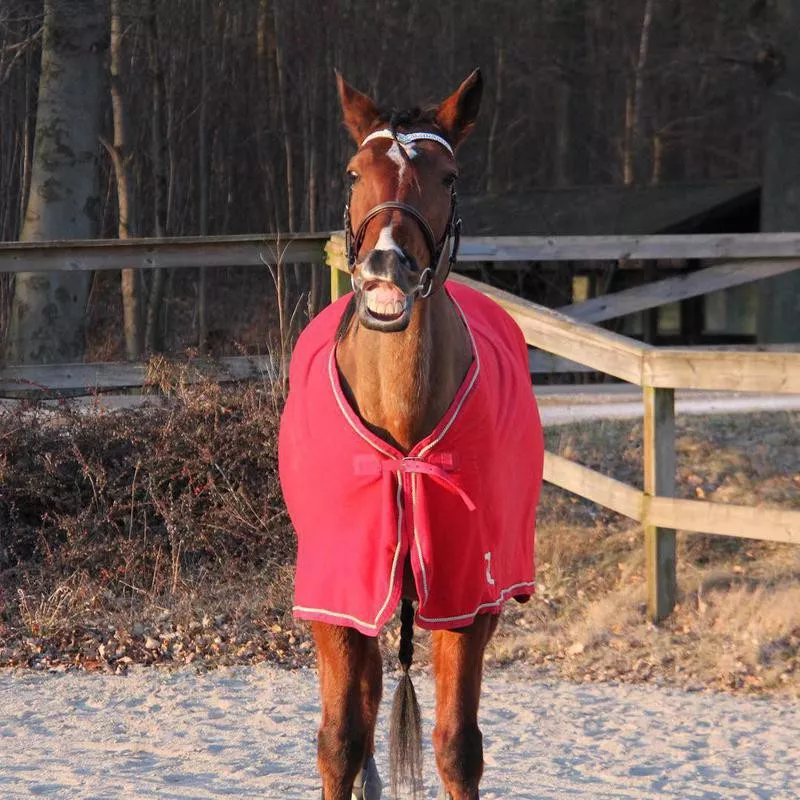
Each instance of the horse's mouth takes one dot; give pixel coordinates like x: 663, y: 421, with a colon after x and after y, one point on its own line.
x: 384, y: 306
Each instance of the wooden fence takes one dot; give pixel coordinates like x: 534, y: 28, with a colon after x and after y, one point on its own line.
x: 568, y: 337
x: 659, y: 371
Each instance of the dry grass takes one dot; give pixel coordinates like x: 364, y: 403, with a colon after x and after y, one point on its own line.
x: 737, y: 625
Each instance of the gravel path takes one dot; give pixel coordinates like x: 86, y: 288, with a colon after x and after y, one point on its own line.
x: 249, y: 732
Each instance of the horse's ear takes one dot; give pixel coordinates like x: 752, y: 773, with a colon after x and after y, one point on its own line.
x: 359, y: 111
x: 457, y: 115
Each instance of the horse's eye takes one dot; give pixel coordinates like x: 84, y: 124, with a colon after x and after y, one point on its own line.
x: 352, y: 176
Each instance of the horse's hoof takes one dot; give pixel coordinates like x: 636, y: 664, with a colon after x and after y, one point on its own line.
x: 368, y: 784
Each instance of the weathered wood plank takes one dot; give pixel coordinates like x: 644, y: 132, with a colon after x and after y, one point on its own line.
x: 693, y: 516
x: 563, y: 336
x: 106, y: 376
x: 613, y: 248
x: 670, y: 290
x: 298, y: 248
x: 593, y: 485
x: 540, y: 361
x: 659, y: 480
x: 190, y: 251
x: 771, y: 371
x: 745, y: 522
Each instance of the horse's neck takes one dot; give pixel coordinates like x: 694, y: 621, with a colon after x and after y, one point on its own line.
x: 402, y: 384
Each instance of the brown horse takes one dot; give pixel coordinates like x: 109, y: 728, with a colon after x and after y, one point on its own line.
x: 404, y: 358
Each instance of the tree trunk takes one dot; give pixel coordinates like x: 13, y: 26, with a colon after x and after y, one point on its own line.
x: 633, y: 155
x: 202, y: 175
x: 131, y: 296
x: 561, y: 134
x: 779, y: 298
x: 156, y: 297
x: 281, y: 284
x: 284, y: 115
x: 48, y: 315
x: 491, y: 142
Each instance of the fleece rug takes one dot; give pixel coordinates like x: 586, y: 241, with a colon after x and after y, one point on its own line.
x: 462, y: 503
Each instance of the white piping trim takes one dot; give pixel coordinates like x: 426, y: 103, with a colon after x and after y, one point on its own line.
x: 502, y: 599
x: 408, y: 138
x: 308, y: 610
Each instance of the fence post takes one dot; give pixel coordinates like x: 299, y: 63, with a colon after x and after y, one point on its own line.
x: 659, y: 480
x: 336, y: 260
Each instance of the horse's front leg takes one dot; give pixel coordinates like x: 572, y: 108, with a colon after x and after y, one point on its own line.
x: 457, y: 740
x: 350, y: 673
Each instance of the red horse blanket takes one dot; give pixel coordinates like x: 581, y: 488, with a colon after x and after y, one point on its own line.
x: 462, y: 502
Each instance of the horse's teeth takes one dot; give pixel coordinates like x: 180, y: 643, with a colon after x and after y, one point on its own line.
x: 385, y: 309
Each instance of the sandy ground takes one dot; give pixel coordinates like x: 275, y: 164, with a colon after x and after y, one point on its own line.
x: 560, y: 405
x: 250, y: 732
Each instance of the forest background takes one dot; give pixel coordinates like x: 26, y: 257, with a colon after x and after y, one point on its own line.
x: 223, y: 117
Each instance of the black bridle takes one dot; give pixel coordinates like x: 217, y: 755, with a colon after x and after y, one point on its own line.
x: 430, y: 275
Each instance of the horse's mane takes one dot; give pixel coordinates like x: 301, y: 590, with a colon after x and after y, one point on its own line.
x: 347, y: 318
x: 407, y: 117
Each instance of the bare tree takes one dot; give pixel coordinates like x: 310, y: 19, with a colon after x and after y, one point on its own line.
x: 155, y: 298
x: 117, y: 150
x: 632, y: 140
x: 252, y: 141
x: 202, y: 174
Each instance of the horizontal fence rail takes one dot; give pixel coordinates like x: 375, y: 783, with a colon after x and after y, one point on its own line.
x: 190, y: 251
x: 108, y: 376
x: 615, y: 248
x: 248, y: 250
x: 698, y: 516
x: 645, y: 365
x: 564, y: 339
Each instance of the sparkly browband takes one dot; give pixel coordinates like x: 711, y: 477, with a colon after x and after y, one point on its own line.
x: 408, y: 138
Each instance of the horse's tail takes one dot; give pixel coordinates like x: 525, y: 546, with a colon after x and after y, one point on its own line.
x: 405, y: 730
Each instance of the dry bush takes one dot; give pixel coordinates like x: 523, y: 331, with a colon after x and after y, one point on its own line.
x: 147, y: 506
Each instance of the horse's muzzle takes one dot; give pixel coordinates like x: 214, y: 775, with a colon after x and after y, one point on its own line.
x: 384, y: 283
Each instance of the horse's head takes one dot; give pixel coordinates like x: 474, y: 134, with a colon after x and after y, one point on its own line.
x: 401, y: 219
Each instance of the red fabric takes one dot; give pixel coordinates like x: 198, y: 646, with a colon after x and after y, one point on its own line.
x: 464, y: 500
